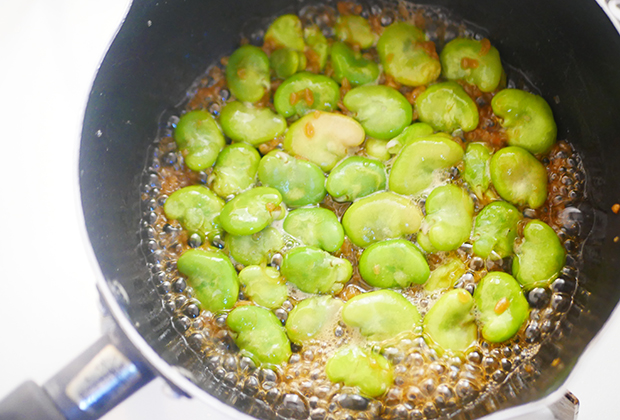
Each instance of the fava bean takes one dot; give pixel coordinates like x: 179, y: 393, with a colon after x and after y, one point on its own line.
x: 495, y: 230
x: 235, y: 169
x: 446, y: 275
x: 313, y: 270
x: 409, y: 135
x: 476, y: 62
x: 355, y: 30
x: 383, y: 111
x: 286, y: 32
x: 251, y: 211
x: 449, y: 324
x: 381, y: 216
x: 318, y: 47
x: 197, y: 209
x: 286, y: 62
x: 324, y: 138
x: 540, y: 257
x: 407, y: 56
x: 377, y: 149
x: 355, y: 177
x: 476, y: 174
x: 394, y: 263
x: 527, y: 118
x: 371, y: 373
x: 246, y: 123
x: 257, y: 248
x: 447, y: 107
x: 350, y: 65
x: 264, y: 285
x: 212, y: 276
x: 312, y: 317
x: 501, y: 306
x: 316, y: 227
x: 247, y: 73
x: 300, y: 182
x: 518, y: 177
x: 199, y: 139
x: 448, y: 221
x: 259, y: 335
x: 304, y: 92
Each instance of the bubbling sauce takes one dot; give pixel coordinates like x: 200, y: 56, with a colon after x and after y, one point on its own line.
x: 426, y: 385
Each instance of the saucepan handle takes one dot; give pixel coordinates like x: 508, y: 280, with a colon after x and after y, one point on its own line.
x: 90, y: 386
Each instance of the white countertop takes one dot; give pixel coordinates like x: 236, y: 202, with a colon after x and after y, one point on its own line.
x: 49, y: 310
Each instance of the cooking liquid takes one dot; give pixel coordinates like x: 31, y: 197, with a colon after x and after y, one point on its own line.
x: 425, y: 385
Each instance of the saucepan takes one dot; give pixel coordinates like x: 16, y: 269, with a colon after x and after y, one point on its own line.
x: 570, y: 50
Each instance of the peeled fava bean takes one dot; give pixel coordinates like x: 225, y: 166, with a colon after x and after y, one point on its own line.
x: 251, y: 211
x: 313, y: 270
x: 247, y: 73
x: 199, y: 138
x: 212, y: 276
x: 393, y: 263
x: 449, y: 324
x: 300, y: 182
x: 264, y: 285
x: 381, y: 216
x: 235, y: 169
x: 197, y: 209
x: 324, y: 138
x: 383, y: 111
x: 318, y: 48
x: 476, y: 62
x: 420, y: 163
x: 286, y: 32
x: 527, y: 118
x: 446, y: 275
x: 495, y: 230
x: 381, y: 315
x: 257, y: 248
x: 409, y: 135
x: 355, y: 367
x: 356, y: 177
x: 259, y: 335
x: 317, y: 227
x: 355, y: 30
x: 540, y: 257
x: 448, y: 221
x: 249, y: 124
x: 304, y: 92
x: 518, y: 177
x: 350, y: 65
x: 476, y: 174
x: 501, y: 306
x: 312, y: 317
x: 447, y: 107
x: 407, y: 56
x: 285, y: 62
x: 377, y: 149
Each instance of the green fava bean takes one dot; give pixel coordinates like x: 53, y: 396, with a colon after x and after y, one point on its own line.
x: 501, y: 306
x: 407, y: 56
x: 446, y: 275
x: 409, y: 135
x: 377, y: 149
x: 313, y: 270
x: 381, y: 315
x: 235, y: 169
x: 251, y: 211
x: 317, y: 227
x: 324, y: 138
x: 259, y: 335
x: 527, y: 118
x: 449, y: 324
x: 257, y: 248
x: 518, y: 177
x: 312, y: 317
x: 249, y: 124
x: 212, y: 276
x: 368, y: 371
x: 495, y: 230
x: 540, y: 257
x: 383, y: 111
x: 476, y: 174
x: 476, y: 62
x: 355, y: 30
x: 355, y: 177
x: 419, y: 164
x: 447, y: 107
x: 395, y: 263
x: 319, y: 48
x: 381, y: 216
x: 197, y: 209
x: 448, y: 221
x: 199, y: 139
x: 286, y: 32
x: 350, y: 65
x: 264, y: 285
x: 286, y: 62
x: 304, y: 92
x: 247, y: 73
x: 300, y: 182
